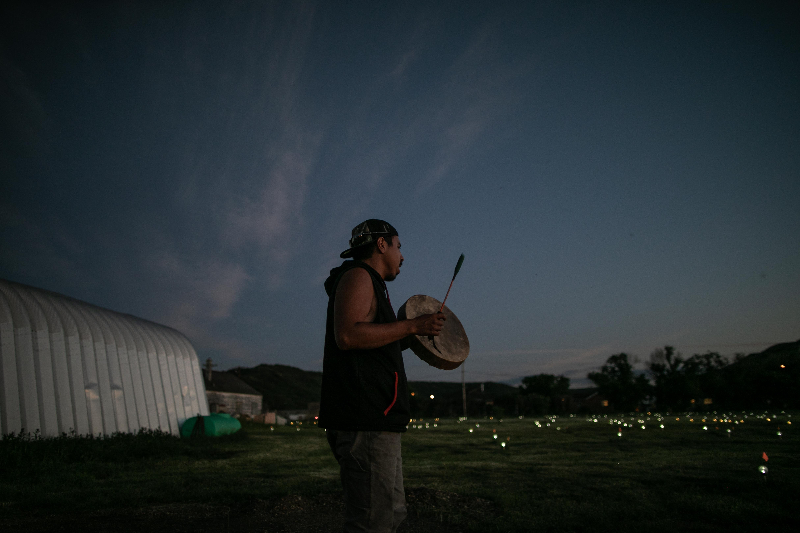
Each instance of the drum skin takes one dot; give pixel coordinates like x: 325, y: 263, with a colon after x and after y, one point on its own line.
x: 446, y: 351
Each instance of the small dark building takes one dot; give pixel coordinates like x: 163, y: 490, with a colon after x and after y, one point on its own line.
x: 587, y: 400
x: 228, y: 394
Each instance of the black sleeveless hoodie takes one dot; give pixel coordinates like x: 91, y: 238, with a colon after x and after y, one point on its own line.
x: 363, y: 390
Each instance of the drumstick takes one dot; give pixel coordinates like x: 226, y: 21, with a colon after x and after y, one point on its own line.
x: 458, y: 267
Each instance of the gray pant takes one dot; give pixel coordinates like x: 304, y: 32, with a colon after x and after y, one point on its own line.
x: 372, y: 477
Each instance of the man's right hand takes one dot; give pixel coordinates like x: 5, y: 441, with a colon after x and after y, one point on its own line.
x: 429, y: 325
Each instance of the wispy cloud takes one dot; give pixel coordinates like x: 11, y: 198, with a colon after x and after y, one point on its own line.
x: 242, y: 187
x: 266, y: 220
x: 206, y: 291
x: 245, y: 181
x: 472, y: 96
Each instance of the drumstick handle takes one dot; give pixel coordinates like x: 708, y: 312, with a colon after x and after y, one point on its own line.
x: 448, y: 293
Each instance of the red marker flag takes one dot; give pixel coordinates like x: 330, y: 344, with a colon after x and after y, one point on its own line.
x: 764, y: 456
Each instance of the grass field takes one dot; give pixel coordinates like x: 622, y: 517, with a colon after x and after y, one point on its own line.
x: 553, y: 474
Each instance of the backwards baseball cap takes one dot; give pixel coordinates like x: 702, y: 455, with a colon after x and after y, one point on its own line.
x: 366, y: 233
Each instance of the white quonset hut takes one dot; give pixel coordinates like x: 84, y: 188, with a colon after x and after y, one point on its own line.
x: 68, y: 365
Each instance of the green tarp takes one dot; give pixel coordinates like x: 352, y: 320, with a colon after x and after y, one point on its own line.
x: 213, y: 425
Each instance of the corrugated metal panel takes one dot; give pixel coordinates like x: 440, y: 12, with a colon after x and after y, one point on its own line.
x: 10, y: 416
x: 95, y: 359
x: 131, y: 375
x: 167, y: 380
x: 42, y: 363
x: 66, y: 365
x: 155, y: 377
x: 72, y: 345
x: 129, y: 391
x: 145, y: 376
x: 58, y: 352
x: 27, y: 401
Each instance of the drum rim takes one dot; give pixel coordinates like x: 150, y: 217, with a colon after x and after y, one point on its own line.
x: 424, y: 352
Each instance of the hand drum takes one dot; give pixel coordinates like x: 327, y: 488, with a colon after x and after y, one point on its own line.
x: 450, y: 348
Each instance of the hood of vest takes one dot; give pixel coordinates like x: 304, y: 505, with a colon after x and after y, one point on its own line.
x: 336, y: 273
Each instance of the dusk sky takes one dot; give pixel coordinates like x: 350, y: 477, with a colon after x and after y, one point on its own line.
x: 619, y: 175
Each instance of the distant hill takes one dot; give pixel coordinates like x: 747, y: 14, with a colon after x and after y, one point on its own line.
x: 286, y: 387
x: 769, y: 379
x: 754, y: 381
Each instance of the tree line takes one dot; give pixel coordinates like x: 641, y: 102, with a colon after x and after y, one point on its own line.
x: 667, y: 382
x: 672, y: 382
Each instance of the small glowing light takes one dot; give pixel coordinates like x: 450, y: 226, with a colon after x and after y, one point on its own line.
x: 494, y: 436
x: 642, y: 427
x: 503, y: 444
x: 470, y: 430
x: 662, y: 426
x: 619, y: 434
x: 705, y: 428
x: 783, y: 366
x: 412, y: 394
x: 431, y: 396
x: 477, y: 425
x: 763, y: 469
x: 779, y: 433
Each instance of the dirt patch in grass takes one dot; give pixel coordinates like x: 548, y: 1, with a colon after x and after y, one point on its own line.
x: 429, y: 511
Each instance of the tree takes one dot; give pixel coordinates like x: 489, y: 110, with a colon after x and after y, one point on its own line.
x: 539, y: 393
x: 545, y: 385
x: 671, y: 387
x: 678, y: 381
x: 617, y: 382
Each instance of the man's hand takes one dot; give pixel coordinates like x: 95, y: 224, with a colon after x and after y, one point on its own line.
x: 428, y: 325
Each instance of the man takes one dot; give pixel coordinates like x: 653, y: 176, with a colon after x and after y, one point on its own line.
x: 364, y: 406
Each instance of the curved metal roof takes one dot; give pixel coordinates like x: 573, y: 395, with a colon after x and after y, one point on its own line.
x: 68, y: 365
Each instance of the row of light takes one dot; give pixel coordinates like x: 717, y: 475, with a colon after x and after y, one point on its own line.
x: 613, y: 421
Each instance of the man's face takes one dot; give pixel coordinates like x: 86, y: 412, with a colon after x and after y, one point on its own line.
x: 393, y: 259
